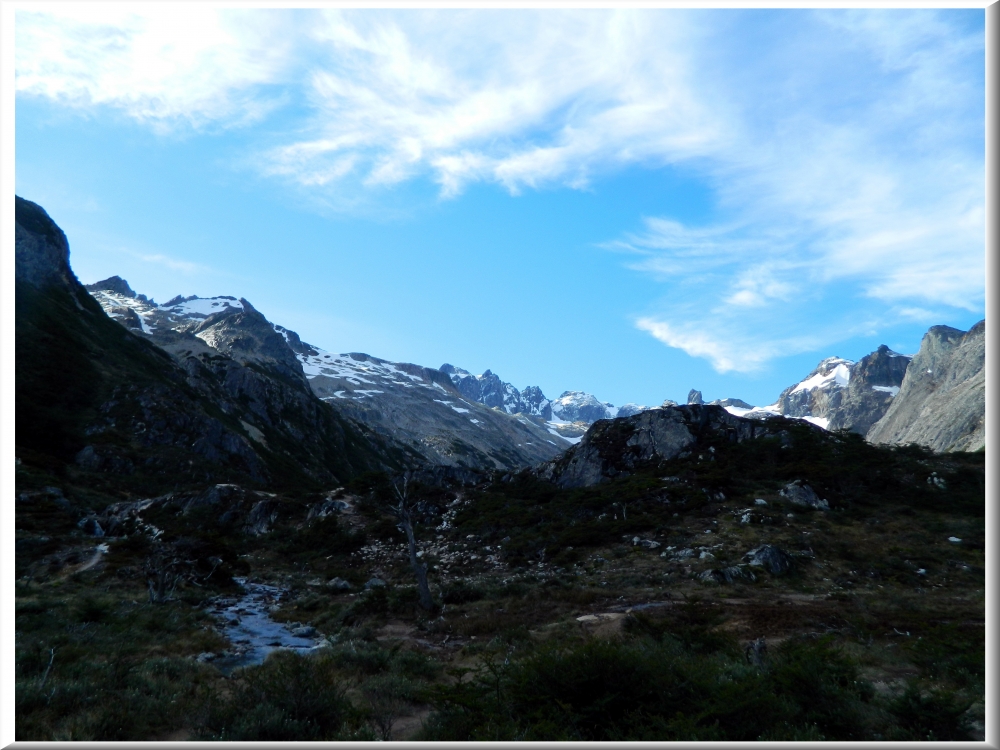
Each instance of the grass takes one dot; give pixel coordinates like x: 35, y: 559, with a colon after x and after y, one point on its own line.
x: 861, y: 643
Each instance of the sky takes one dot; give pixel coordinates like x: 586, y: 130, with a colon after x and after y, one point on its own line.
x: 631, y: 203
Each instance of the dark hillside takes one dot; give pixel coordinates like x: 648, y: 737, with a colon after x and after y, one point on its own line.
x: 92, y: 398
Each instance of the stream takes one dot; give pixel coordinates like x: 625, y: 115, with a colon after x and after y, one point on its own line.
x: 253, y: 634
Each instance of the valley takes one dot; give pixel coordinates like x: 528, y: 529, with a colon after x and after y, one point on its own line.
x: 221, y: 529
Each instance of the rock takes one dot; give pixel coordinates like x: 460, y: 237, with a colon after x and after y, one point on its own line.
x: 115, y: 284
x: 647, y: 543
x: 327, y: 507
x: 374, y: 583
x: 304, y: 631
x: 874, y: 382
x: 90, y: 525
x: 694, y: 397
x: 738, y: 572
x: 205, y: 656
x: 338, y: 584
x: 706, y: 555
x: 802, y: 494
x: 774, y: 559
x: 759, y: 501
x: 728, y: 575
x: 683, y: 554
x: 941, y: 402
x: 261, y: 517
x: 612, y: 448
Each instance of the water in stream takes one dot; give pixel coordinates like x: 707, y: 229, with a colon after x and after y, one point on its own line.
x: 253, y: 634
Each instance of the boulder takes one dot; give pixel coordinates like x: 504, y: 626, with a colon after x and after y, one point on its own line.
x: 772, y: 558
x: 374, y: 583
x: 91, y: 526
x: 304, y: 631
x: 798, y: 493
x: 338, y: 584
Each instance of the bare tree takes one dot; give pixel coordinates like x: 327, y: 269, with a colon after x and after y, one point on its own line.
x: 163, y: 573
x: 402, y: 510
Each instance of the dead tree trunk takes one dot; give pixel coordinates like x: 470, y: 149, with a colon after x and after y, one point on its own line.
x: 402, y: 512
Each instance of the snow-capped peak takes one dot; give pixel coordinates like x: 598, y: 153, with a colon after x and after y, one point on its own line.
x: 831, y: 372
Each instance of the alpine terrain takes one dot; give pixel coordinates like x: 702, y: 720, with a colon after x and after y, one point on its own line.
x: 225, y: 533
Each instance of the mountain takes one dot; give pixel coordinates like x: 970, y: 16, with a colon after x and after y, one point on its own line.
x: 568, y: 416
x: 941, y: 402
x: 837, y: 394
x: 415, y: 407
x: 99, y: 400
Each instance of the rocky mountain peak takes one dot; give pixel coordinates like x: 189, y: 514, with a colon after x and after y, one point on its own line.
x: 41, y: 251
x: 941, y: 401
x: 115, y: 284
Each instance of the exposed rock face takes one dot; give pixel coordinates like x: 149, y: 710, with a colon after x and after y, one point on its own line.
x: 41, y: 252
x: 694, y: 397
x: 247, y: 336
x: 421, y: 407
x: 577, y: 406
x: 838, y: 394
x: 230, y: 505
x: 942, y: 400
x: 115, y: 284
x: 820, y: 394
x: 774, y: 559
x: 874, y: 381
x: 488, y: 389
x: 618, y: 447
x: 414, y: 408
x: 802, y: 494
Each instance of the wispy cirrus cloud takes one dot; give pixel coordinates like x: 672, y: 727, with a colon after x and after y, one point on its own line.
x: 166, y: 66
x: 844, y: 150
x: 862, y: 204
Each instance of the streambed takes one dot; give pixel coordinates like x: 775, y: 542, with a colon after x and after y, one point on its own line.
x: 246, y: 622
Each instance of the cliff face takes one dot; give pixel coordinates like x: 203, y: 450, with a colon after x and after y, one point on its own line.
x: 942, y: 400
x: 875, y: 380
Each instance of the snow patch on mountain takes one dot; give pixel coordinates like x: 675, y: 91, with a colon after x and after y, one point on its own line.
x: 833, y: 372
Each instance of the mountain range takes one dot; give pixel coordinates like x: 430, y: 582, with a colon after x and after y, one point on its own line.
x: 122, y: 384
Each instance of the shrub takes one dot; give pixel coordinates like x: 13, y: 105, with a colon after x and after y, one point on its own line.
x: 288, y: 697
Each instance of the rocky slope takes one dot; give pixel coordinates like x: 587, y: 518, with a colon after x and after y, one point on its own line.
x: 95, y: 399
x: 417, y: 407
x: 618, y: 447
x: 838, y: 394
x: 942, y: 400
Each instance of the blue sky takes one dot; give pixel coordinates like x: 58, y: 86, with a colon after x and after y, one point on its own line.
x: 631, y: 203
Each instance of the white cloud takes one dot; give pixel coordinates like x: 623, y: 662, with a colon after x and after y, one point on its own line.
x: 521, y: 99
x: 162, y: 65
x: 849, y: 206
x: 844, y: 150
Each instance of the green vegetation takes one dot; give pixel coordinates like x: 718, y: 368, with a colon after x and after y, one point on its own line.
x: 876, y: 633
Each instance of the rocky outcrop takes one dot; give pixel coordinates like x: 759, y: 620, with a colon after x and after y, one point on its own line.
x: 798, y: 493
x: 613, y: 448
x: 874, y: 382
x: 820, y: 394
x: 941, y: 402
x: 41, y: 252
